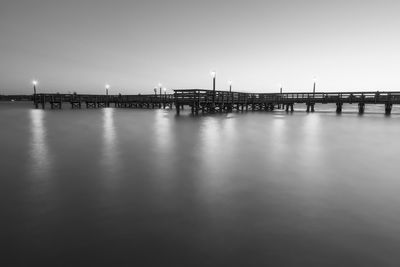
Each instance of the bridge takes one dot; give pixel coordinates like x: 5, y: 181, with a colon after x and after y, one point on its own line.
x: 209, y: 101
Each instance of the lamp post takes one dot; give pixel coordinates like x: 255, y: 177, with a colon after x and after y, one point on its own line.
x: 34, y: 82
x: 213, y: 75
x: 280, y: 94
x: 155, y: 91
x: 165, y: 97
x: 315, y: 80
x: 160, y: 86
x: 313, y: 100
x: 230, y: 90
x: 107, y: 102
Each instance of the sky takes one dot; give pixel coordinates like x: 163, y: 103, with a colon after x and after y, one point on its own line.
x: 81, y: 45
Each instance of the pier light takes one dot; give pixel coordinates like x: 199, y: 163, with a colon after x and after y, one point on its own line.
x: 315, y: 81
x: 165, y: 90
x: 213, y: 75
x: 230, y: 86
x: 160, y: 86
x: 155, y: 90
x: 34, y: 82
x: 107, y: 88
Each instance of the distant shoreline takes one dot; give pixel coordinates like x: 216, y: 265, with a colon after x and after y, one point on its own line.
x: 13, y: 98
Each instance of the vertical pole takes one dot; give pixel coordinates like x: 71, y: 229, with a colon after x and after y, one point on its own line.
x: 159, y: 105
x: 107, y: 104
x: 213, y: 97
x: 34, y: 96
x: 230, y: 92
x: 314, y: 90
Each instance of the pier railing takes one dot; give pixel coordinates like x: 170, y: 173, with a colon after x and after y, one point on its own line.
x: 205, y: 100
x: 212, y: 101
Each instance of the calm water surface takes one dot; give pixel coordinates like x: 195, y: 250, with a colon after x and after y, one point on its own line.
x: 146, y: 188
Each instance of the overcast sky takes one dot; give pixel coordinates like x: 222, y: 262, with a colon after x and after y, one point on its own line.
x: 80, y: 45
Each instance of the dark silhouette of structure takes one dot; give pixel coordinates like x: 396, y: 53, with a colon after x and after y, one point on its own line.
x: 211, y: 101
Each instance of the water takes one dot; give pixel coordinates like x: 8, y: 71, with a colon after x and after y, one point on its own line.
x: 146, y: 188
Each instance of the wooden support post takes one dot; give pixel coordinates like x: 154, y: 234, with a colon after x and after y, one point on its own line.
x: 35, y: 100
x: 339, y: 107
x: 361, y: 107
x: 388, y: 108
x: 43, y: 100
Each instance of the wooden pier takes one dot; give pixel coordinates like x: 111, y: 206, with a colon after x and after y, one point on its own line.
x: 57, y: 101
x: 222, y: 101
x: 209, y: 101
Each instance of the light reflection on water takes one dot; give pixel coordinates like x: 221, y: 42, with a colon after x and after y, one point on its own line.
x: 41, y: 161
x: 163, y: 131
x: 110, y: 153
x: 244, y: 188
x: 279, y: 134
x: 311, y: 141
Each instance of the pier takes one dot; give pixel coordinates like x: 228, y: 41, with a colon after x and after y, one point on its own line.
x: 222, y: 101
x: 209, y: 101
x: 57, y: 101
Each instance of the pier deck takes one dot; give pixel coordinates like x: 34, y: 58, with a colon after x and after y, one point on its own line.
x: 209, y: 101
x: 219, y: 101
x: 56, y: 101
